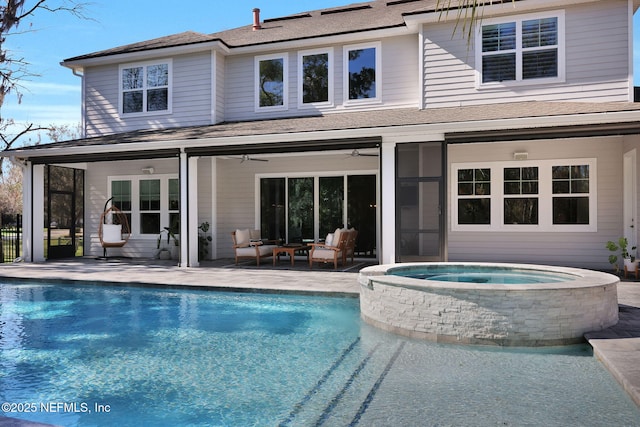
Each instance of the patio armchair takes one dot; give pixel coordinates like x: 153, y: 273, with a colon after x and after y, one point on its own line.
x: 332, y: 250
x: 248, y: 244
x: 350, y: 246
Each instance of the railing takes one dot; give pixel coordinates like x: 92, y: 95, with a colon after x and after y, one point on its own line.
x: 10, y: 237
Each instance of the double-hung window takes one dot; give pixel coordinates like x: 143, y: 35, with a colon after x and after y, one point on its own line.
x: 315, y: 78
x: 145, y: 88
x: 362, y: 73
x: 545, y: 195
x: 571, y: 189
x: 474, y: 196
x: 150, y: 203
x: 121, y: 198
x: 523, y: 50
x: 521, y: 195
x: 271, y: 73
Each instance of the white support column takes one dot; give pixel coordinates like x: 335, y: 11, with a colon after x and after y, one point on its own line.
x: 213, y: 221
x: 184, y: 209
x: 192, y: 201
x: 388, y: 208
x: 27, y: 209
x: 37, y: 209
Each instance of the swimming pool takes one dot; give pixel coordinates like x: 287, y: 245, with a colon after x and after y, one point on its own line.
x: 98, y: 355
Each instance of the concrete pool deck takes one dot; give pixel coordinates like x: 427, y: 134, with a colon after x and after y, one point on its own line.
x: 618, y: 347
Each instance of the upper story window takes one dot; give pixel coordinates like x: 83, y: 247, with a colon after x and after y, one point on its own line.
x: 315, y: 87
x: 271, y: 82
x: 525, y: 49
x: 362, y: 73
x: 145, y: 88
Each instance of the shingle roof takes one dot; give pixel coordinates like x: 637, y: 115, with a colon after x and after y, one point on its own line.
x: 353, y: 18
x: 356, y: 120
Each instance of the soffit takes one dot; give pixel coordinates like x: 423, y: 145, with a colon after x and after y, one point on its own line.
x: 350, y: 129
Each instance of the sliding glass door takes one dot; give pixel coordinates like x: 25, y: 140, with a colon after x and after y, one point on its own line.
x: 307, y: 208
x: 300, y: 210
x: 331, y: 204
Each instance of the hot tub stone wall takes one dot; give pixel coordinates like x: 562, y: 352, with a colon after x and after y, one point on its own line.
x: 531, y: 317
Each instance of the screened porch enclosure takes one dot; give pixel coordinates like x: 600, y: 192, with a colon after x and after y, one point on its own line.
x: 64, y: 212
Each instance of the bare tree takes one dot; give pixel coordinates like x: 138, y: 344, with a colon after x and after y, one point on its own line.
x: 15, y: 69
x: 11, y: 180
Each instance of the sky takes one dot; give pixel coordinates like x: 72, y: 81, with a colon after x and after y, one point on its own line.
x: 46, y: 39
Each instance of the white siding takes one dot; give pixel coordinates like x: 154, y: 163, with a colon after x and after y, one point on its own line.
x: 578, y: 249
x: 220, y: 88
x: 236, y: 187
x: 191, y: 90
x: 596, y: 62
x: 97, y: 193
x: 399, y: 82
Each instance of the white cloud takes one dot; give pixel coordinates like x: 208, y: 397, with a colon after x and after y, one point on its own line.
x: 48, y: 89
x: 43, y: 114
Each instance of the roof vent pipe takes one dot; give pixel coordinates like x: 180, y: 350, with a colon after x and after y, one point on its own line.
x: 256, y: 19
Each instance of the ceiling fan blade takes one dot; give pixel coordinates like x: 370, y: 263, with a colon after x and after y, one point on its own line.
x: 356, y: 153
x: 246, y: 157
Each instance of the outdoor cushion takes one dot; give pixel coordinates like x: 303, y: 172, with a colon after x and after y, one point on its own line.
x: 251, y: 251
x: 328, y: 254
x: 112, y: 233
x: 329, y: 240
x: 336, y: 236
x: 243, y: 237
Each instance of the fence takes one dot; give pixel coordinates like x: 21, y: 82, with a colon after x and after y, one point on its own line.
x: 10, y: 237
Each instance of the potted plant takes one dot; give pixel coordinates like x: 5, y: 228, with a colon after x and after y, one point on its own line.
x: 629, y: 259
x: 203, y: 241
x: 169, y: 251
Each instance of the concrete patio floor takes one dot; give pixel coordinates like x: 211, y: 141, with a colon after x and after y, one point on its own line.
x: 618, y: 347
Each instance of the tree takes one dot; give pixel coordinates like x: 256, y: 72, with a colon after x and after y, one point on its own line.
x: 11, y: 181
x: 13, y: 69
x: 271, y: 82
x: 467, y: 12
x: 11, y: 190
x: 315, y: 86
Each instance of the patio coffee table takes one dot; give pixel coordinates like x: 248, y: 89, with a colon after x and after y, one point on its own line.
x: 291, y: 250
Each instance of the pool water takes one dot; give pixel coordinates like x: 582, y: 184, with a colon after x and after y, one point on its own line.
x: 480, y: 274
x: 102, y: 356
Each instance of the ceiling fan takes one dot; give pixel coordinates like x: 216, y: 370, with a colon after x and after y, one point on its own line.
x: 356, y: 153
x: 246, y: 158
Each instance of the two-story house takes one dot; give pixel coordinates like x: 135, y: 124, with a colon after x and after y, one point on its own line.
x: 518, y: 143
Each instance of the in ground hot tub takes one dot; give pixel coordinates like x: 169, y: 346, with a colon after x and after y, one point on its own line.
x: 488, y: 303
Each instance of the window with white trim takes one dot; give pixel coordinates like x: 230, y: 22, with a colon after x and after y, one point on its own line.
x: 271, y: 81
x: 150, y: 203
x: 362, y: 73
x: 524, y: 49
x: 474, y: 196
x: 546, y: 195
x: 571, y: 190
x: 521, y: 198
x: 315, y: 78
x: 145, y: 88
